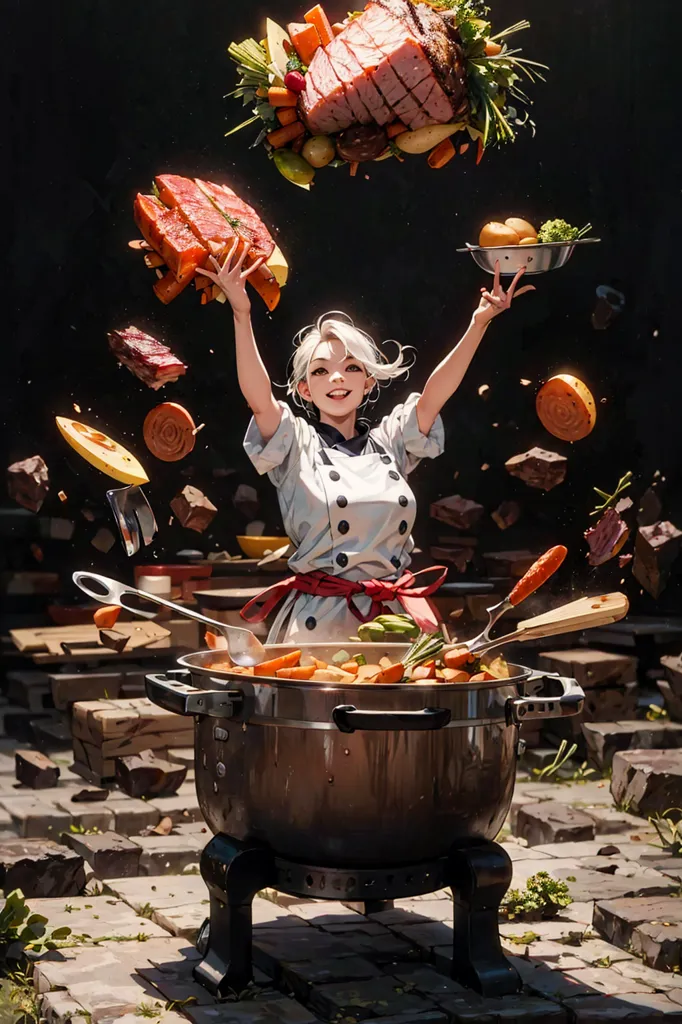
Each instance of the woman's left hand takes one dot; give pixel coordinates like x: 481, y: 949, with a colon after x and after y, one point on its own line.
x: 497, y: 300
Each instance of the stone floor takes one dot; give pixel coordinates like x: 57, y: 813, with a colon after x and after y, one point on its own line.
x: 131, y: 952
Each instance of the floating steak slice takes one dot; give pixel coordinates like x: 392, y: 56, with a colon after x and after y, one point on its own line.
x: 409, y: 64
x: 151, y: 362
x: 250, y: 224
x: 207, y: 223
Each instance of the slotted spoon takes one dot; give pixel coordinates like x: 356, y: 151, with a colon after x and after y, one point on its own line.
x: 244, y: 648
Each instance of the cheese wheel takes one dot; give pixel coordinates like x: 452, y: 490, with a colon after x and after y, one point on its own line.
x: 566, y: 408
x: 169, y: 432
x: 102, y: 452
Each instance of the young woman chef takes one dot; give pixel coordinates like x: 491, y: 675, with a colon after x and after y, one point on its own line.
x: 342, y: 486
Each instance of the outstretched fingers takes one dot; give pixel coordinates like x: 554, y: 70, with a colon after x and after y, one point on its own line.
x: 512, y: 287
x: 253, y: 268
x: 526, y: 288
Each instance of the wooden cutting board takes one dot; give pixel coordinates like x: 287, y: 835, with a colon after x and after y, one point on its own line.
x: 48, y: 640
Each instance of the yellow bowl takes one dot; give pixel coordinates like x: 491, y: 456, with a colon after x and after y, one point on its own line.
x: 258, y: 547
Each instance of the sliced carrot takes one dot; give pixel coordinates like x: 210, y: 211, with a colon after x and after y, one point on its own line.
x: 262, y: 92
x: 106, y: 617
x: 492, y: 48
x: 299, y: 672
x: 393, y: 674
x: 423, y: 672
x: 456, y: 657
x: 287, y: 115
x: 267, y: 288
x: 481, y: 151
x: 287, y: 133
x: 305, y: 39
x: 455, y: 675
x: 350, y: 666
x: 397, y: 128
x: 152, y: 259
x: 441, y: 154
x: 281, y: 97
x: 316, y: 16
x: 318, y: 663
x: 269, y: 668
x: 215, y: 642
x: 354, y: 164
x: 480, y: 677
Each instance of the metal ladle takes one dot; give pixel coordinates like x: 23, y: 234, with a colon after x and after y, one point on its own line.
x: 244, y: 648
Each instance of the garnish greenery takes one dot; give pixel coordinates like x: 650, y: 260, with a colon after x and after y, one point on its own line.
x: 543, y: 896
x: 561, y: 231
x: 609, y: 500
x: 155, y: 191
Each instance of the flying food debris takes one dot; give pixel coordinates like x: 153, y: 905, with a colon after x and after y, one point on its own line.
x: 113, y: 640
x: 77, y: 408
x: 506, y: 514
x: 103, y: 540
x: 495, y: 424
x: 610, y: 304
x: 62, y: 496
x: 483, y: 390
x: 37, y: 552
x: 193, y: 509
x: 525, y: 382
x: 623, y: 561
x: 484, y: 467
x: 538, y: 468
x: 607, y: 537
x: 147, y: 359
x: 28, y: 482
x: 456, y: 511
x: 656, y: 548
x: 197, y: 429
x: 650, y: 508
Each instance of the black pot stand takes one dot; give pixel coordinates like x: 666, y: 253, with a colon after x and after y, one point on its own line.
x: 478, y: 873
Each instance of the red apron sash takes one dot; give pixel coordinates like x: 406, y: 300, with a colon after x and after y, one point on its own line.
x: 414, y: 599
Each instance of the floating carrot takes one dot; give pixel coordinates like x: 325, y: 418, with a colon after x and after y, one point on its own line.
x: 286, y: 115
x: 354, y: 164
x: 168, y: 287
x: 281, y: 136
x: 539, y: 572
x: 278, y: 96
x: 441, y: 154
x: 269, y: 668
x: 316, y: 16
x: 215, y: 642
x: 106, y: 617
x: 481, y: 151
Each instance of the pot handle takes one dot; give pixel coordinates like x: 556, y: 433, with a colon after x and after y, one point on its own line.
x: 348, y: 718
x: 172, y: 693
x: 525, y: 709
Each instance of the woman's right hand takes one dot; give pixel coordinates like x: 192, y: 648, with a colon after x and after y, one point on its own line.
x: 231, y: 279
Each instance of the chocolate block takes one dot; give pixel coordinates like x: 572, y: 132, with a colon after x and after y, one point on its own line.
x: 506, y: 514
x: 456, y: 511
x: 113, y: 640
x: 538, y: 468
x: 193, y: 509
x: 656, y: 548
x: 28, y: 483
x: 649, y: 511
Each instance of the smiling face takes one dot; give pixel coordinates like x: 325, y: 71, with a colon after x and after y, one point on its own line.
x: 336, y: 383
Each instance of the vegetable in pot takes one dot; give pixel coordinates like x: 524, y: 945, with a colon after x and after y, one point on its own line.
x: 561, y: 231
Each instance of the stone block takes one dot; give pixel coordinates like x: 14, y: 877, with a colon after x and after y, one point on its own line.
x: 634, y: 1006
x: 109, y: 854
x: 589, y: 885
x: 651, y: 927
x: 35, y: 770
x: 553, y: 822
x: 40, y: 868
x: 161, y: 854
x: 88, y: 815
x: 180, y: 808
x: 274, y: 1011
x: 604, y: 739
x: 363, y: 999
x: 132, y: 816
x: 35, y: 818
x: 647, y: 782
x: 589, y: 667
x: 302, y: 976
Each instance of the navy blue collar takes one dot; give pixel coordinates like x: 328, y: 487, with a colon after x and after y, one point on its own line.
x: 333, y: 438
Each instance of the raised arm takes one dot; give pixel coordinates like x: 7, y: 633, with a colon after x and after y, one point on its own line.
x: 254, y: 380
x: 449, y: 374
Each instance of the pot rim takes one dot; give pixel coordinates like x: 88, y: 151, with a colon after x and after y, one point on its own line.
x: 194, y: 660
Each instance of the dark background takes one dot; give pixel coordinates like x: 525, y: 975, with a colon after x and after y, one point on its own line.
x: 101, y: 96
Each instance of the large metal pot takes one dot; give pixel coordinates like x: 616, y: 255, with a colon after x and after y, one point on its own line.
x: 349, y: 775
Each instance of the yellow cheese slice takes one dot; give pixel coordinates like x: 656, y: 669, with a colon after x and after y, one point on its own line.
x: 102, y: 452
x: 279, y: 266
x: 276, y: 38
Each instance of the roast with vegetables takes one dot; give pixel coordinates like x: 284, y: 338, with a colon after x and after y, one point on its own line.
x: 397, y: 79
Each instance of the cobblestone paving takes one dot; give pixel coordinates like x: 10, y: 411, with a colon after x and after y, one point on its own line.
x: 607, y: 956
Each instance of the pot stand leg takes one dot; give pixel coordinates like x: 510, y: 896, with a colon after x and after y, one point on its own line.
x: 479, y: 877
x: 234, y: 872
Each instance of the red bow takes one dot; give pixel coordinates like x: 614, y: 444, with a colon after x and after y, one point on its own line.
x: 413, y: 599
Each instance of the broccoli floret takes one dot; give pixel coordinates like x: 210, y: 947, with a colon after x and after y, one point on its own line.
x: 561, y: 231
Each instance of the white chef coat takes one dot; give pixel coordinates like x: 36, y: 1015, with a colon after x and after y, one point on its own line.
x: 347, y: 515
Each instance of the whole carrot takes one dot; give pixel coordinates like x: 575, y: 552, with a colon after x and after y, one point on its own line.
x: 539, y: 573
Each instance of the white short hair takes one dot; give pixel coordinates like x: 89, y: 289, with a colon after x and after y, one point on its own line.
x: 337, y: 326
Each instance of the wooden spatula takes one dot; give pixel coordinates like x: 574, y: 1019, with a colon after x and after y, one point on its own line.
x: 585, y: 613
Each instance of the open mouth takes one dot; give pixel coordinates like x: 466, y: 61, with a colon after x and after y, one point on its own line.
x: 338, y: 394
